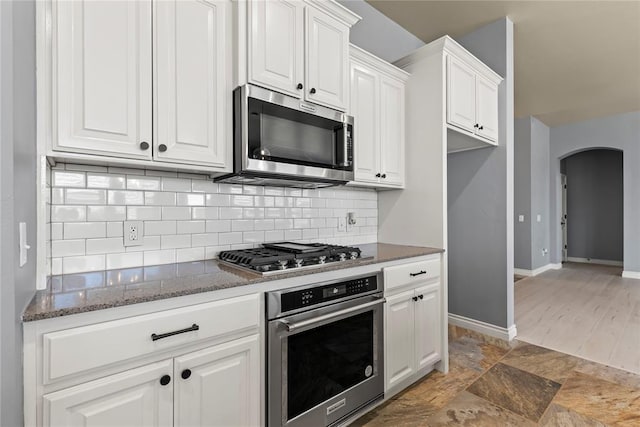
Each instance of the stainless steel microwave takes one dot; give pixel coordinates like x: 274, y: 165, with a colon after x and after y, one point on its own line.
x: 281, y: 140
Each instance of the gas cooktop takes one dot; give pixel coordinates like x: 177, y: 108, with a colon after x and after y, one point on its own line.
x: 273, y: 258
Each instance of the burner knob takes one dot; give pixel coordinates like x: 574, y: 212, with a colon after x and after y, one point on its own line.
x: 297, y: 262
x: 322, y: 259
x: 282, y: 264
x: 342, y: 256
x: 354, y: 255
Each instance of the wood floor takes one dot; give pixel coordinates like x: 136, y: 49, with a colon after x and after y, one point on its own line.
x: 584, y: 310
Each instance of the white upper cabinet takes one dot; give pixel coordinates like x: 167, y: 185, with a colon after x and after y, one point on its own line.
x: 327, y: 58
x: 276, y: 45
x: 102, y: 87
x: 377, y: 103
x: 297, y: 47
x: 472, y: 100
x: 192, y: 68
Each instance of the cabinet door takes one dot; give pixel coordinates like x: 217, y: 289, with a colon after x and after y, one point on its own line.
x: 461, y: 93
x: 399, y: 338
x: 223, y: 385
x: 428, y: 323
x: 364, y: 107
x: 276, y: 34
x: 487, y: 108
x: 327, y: 60
x: 392, y: 131
x: 131, y: 398
x: 192, y: 71
x: 102, y: 77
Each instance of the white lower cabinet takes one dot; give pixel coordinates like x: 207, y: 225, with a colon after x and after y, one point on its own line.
x: 216, y: 386
x: 413, y: 331
x: 130, y: 398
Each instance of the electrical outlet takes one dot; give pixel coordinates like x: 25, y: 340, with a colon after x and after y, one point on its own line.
x: 342, y: 224
x: 539, y: 218
x: 351, y: 220
x: 520, y: 218
x: 133, y: 233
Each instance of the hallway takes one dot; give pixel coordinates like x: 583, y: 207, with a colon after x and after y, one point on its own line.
x: 588, y: 311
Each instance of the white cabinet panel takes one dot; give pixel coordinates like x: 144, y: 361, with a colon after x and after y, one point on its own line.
x: 461, y: 108
x: 428, y: 326
x: 102, y: 77
x: 392, y: 131
x: 327, y: 59
x: 222, y: 385
x: 192, y: 73
x: 364, y: 106
x: 275, y: 45
x: 487, y: 108
x: 131, y: 398
x: 399, y: 338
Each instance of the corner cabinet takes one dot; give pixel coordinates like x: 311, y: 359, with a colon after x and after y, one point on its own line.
x: 415, y: 332
x: 300, y: 48
x: 377, y: 102
x: 144, y: 83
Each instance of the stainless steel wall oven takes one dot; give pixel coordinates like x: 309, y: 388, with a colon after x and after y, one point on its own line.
x: 324, y: 351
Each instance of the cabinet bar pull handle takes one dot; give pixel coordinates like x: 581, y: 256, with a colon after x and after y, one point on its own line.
x: 418, y: 273
x: 156, y: 337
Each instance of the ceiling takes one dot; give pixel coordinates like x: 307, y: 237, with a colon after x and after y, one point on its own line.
x: 574, y: 60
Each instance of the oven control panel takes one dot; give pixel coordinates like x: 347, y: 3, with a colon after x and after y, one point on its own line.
x: 294, y: 300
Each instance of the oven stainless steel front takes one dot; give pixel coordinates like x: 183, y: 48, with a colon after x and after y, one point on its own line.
x: 324, y: 351
x: 281, y: 140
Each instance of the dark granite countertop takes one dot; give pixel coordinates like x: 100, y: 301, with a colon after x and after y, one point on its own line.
x: 84, y: 292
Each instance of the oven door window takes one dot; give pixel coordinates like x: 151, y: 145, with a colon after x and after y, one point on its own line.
x: 327, y: 360
x: 284, y: 135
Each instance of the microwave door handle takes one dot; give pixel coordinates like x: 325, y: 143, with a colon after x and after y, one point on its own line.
x: 291, y: 327
x: 345, y: 141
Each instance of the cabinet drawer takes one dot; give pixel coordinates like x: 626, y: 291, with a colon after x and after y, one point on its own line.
x: 415, y: 272
x: 79, y: 349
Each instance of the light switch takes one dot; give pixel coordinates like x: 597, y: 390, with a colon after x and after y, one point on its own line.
x: 520, y: 218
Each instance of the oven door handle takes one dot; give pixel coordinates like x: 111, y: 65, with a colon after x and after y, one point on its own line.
x: 298, y: 325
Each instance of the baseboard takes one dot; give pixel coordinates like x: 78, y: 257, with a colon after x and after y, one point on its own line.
x: 595, y: 261
x: 631, y: 274
x: 531, y: 273
x: 506, y: 334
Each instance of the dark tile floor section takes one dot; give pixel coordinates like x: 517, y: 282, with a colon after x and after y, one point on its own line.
x: 490, y: 385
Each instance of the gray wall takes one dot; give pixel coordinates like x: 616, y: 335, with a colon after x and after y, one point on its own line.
x: 595, y: 204
x: 621, y: 132
x: 480, y: 200
x: 522, y: 192
x: 531, y: 193
x: 378, y: 34
x: 17, y: 173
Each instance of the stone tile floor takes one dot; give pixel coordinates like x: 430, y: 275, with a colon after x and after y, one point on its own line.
x: 489, y: 384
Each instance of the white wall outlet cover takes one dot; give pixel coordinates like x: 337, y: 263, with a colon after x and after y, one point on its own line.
x: 539, y: 218
x: 520, y: 218
x: 133, y: 233
x: 24, y: 247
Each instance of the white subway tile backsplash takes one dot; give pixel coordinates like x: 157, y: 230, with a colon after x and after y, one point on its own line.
x: 84, y: 168
x: 144, y: 213
x: 187, y: 217
x: 143, y: 183
x: 102, y: 180
x: 121, y: 197
x: 68, y: 179
x: 65, y: 213
x: 178, y: 212
x: 106, y: 213
x: 190, y: 227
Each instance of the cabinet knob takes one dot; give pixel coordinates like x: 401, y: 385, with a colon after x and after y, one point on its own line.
x: 378, y: 175
x: 313, y: 90
x: 186, y: 374
x: 481, y: 127
x: 421, y: 296
x: 384, y: 175
x: 300, y: 86
x: 144, y: 145
x: 476, y: 125
x: 166, y: 379
x: 415, y: 298
x: 162, y: 148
